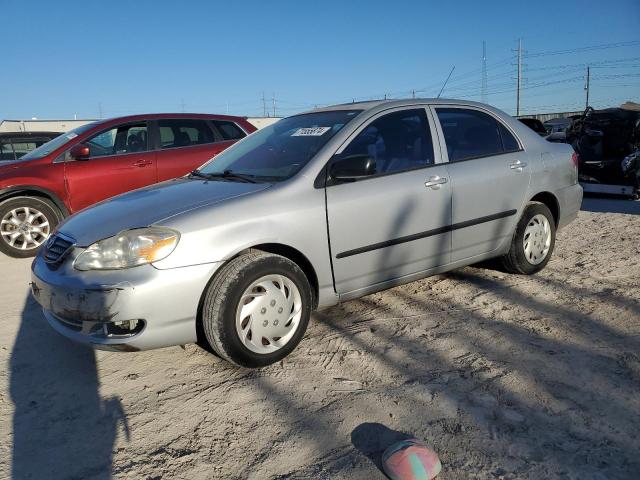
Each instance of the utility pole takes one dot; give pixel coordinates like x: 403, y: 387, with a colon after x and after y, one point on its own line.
x: 264, y: 106
x: 413, y: 94
x: 519, y: 77
x: 483, y: 95
x: 182, y: 105
x: 273, y: 100
x: 586, y: 87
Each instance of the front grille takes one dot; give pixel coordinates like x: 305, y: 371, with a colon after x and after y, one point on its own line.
x: 56, y: 248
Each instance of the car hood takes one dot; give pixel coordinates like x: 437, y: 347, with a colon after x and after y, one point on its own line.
x: 150, y: 205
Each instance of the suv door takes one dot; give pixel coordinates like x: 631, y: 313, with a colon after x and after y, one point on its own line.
x: 119, y: 161
x: 185, y: 144
x: 390, y: 225
x: 489, y: 178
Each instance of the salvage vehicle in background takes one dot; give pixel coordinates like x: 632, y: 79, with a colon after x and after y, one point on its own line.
x: 316, y: 209
x: 604, y: 139
x: 99, y: 160
x: 557, y: 129
x: 15, y: 145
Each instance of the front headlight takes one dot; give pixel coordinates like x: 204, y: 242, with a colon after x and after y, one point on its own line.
x: 128, y: 249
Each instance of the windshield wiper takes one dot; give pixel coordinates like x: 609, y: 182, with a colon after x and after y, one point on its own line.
x: 226, y: 174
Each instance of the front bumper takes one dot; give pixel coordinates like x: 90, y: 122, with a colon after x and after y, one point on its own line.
x: 91, y: 307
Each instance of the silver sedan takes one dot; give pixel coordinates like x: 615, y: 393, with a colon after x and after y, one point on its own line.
x: 318, y: 208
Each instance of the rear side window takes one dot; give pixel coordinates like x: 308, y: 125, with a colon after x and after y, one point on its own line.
x: 509, y: 142
x: 184, y: 132
x: 6, y: 151
x: 472, y: 134
x: 229, y: 130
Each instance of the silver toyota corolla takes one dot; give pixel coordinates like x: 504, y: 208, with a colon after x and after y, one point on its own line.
x: 318, y: 208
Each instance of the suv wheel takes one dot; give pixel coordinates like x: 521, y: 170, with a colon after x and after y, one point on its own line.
x: 25, y: 224
x: 256, y: 309
x: 533, y: 242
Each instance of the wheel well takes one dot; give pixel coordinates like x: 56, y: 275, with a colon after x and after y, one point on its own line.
x: 298, y: 258
x: 550, y: 200
x: 62, y: 209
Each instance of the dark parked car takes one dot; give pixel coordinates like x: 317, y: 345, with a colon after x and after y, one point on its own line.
x: 535, y: 125
x: 99, y: 160
x: 14, y: 145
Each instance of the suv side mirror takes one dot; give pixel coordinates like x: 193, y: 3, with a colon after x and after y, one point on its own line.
x: 80, y: 152
x: 353, y: 167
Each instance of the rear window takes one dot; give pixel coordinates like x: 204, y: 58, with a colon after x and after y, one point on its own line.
x: 184, y: 133
x: 472, y: 134
x: 229, y: 130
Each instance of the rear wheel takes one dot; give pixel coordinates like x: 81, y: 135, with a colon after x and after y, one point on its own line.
x: 533, y: 242
x: 25, y: 224
x: 256, y: 309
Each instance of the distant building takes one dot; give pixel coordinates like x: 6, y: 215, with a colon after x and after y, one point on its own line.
x: 41, y: 125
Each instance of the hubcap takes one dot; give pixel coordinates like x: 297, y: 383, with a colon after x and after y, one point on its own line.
x: 537, y: 239
x: 268, y: 314
x: 24, y: 228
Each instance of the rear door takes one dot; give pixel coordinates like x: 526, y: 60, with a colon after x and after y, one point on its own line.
x: 392, y: 224
x: 489, y: 178
x: 119, y: 161
x: 185, y: 144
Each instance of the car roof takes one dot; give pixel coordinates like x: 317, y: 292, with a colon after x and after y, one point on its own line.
x: 29, y: 134
x: 385, y: 104
x: 157, y: 116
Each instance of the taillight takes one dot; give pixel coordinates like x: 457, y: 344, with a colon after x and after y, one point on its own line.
x: 575, y: 158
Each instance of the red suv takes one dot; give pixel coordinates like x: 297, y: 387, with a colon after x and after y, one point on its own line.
x: 99, y: 160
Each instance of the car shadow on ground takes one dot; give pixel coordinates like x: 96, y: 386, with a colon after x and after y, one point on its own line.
x: 62, y: 428
x: 609, y: 204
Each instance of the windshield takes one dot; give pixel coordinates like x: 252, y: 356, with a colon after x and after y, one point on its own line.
x: 56, y: 143
x: 279, y: 151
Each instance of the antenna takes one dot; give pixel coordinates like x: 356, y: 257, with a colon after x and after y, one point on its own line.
x: 445, y: 82
x: 483, y: 95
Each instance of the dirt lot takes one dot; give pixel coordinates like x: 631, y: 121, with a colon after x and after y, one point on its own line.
x: 505, y: 376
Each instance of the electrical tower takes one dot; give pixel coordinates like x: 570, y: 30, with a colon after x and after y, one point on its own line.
x: 519, y: 77
x: 483, y: 94
x: 586, y: 87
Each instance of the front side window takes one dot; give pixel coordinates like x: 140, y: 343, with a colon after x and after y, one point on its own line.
x: 184, y: 133
x: 471, y: 134
x: 279, y: 151
x: 397, y: 141
x: 130, y: 138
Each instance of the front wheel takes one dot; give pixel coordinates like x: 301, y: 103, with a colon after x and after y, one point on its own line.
x: 256, y: 309
x: 533, y: 242
x: 25, y: 224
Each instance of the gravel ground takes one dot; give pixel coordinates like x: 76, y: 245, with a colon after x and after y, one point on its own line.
x: 505, y: 376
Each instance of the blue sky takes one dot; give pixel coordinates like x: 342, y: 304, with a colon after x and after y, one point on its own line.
x: 61, y: 58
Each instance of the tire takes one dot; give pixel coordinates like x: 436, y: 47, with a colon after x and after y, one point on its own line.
x: 519, y: 261
x: 222, y: 311
x: 19, y: 243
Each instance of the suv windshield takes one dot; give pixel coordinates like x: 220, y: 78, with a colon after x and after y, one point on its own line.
x: 279, y: 151
x: 56, y: 143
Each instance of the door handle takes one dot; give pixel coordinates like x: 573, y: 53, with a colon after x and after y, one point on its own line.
x: 142, y: 163
x: 435, y: 181
x: 517, y: 165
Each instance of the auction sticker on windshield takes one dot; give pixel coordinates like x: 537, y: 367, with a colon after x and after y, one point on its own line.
x: 310, y: 132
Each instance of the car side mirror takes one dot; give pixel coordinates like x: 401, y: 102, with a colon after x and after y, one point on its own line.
x: 353, y: 167
x: 80, y: 152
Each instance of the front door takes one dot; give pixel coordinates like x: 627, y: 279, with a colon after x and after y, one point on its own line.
x: 390, y: 225
x: 119, y: 161
x: 489, y: 179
